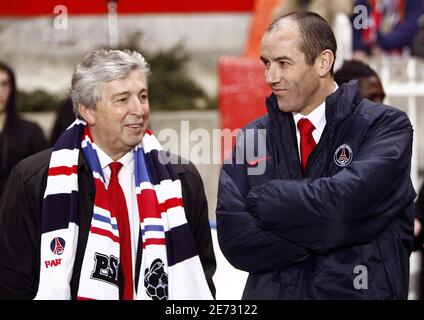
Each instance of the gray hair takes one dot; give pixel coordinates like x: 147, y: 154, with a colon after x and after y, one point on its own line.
x: 103, y: 66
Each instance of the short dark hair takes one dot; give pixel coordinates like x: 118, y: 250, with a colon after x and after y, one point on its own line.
x: 353, y: 69
x: 315, y: 32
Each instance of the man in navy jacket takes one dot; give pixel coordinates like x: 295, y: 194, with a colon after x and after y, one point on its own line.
x: 334, y: 224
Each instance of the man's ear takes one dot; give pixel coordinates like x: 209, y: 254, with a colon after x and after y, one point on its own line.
x: 326, y: 61
x: 87, y: 114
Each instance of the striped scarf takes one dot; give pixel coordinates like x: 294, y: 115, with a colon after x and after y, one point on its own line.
x: 170, y: 267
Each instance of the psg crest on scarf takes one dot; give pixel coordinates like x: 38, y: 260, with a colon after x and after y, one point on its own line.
x: 156, y: 281
x: 343, y: 155
x: 57, y: 245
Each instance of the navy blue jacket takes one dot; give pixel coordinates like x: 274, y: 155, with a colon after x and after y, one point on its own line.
x: 344, y: 230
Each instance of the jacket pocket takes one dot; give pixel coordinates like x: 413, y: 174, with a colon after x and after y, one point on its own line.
x: 262, y: 286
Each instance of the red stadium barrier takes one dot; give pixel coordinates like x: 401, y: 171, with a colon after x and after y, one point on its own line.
x: 46, y: 7
x: 242, y: 93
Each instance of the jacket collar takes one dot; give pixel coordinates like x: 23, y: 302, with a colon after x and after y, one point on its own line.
x: 339, y: 105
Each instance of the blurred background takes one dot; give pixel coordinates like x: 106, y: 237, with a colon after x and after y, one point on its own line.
x: 204, y: 57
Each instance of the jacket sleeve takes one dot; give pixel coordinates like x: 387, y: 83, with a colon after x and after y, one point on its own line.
x: 245, y: 244
x: 196, y: 207
x: 350, y: 207
x: 19, y: 239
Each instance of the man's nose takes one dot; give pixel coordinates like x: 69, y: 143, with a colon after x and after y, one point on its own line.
x: 273, y: 74
x: 137, y: 107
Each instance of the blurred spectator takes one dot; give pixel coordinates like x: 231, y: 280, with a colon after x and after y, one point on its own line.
x: 19, y: 138
x: 65, y: 116
x: 418, y: 41
x: 369, y: 82
x: 390, y: 27
x: 325, y: 8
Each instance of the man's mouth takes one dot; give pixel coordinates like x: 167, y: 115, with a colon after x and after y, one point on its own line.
x: 279, y: 90
x: 134, y: 126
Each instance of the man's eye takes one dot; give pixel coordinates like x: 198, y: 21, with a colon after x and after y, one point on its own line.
x: 121, y: 100
x: 143, y: 98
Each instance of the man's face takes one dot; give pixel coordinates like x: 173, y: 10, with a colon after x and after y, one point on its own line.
x: 5, y: 89
x: 293, y: 81
x: 119, y: 120
x: 372, y: 89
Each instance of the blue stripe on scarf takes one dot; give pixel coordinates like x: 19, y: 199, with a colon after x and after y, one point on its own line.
x: 151, y: 228
x: 141, y: 172
x: 93, y: 160
x: 101, y: 218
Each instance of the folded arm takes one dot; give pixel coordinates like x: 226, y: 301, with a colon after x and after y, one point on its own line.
x: 245, y: 244
x: 350, y: 207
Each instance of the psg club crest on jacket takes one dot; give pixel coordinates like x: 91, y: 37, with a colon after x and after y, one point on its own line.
x: 343, y: 155
x: 57, y: 246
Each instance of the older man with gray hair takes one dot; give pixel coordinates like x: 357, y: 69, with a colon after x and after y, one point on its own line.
x: 99, y: 216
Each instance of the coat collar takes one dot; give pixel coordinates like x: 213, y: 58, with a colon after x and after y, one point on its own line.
x: 339, y: 105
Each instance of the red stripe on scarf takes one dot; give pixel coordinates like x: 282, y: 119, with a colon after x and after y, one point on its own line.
x: 171, y: 203
x: 105, y: 233
x: 58, y: 171
x: 87, y: 133
x: 84, y: 298
x: 101, y: 199
x: 149, y: 206
x: 154, y: 241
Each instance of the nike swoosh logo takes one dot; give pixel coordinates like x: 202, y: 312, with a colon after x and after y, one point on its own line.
x: 254, y: 162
